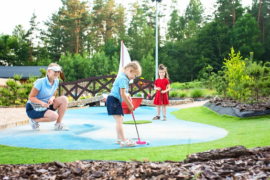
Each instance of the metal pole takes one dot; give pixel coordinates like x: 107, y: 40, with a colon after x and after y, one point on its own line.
x: 156, y: 39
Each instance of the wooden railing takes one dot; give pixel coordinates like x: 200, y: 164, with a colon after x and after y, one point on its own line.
x: 75, y: 89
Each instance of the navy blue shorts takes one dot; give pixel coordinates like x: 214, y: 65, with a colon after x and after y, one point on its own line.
x: 31, y: 113
x: 114, y: 106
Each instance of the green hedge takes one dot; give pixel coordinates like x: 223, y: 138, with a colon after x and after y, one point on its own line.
x: 196, y: 93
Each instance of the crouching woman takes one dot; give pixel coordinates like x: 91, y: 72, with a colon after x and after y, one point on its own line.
x: 43, y: 93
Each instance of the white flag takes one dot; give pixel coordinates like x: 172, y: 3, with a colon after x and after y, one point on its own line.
x: 124, y: 59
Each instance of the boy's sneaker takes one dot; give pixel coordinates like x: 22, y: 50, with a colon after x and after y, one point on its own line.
x: 61, y: 127
x: 34, y: 124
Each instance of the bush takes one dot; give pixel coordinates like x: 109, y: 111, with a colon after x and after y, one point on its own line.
x: 182, y: 94
x: 196, y: 93
x: 82, y: 97
x: 198, y: 84
x: 183, y: 86
x: 173, y: 94
x: 70, y: 99
x: 175, y: 85
x: 191, y: 84
x: 139, y: 94
x: 208, y: 96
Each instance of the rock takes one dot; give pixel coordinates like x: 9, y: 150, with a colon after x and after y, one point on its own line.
x: 97, y: 174
x: 59, y: 164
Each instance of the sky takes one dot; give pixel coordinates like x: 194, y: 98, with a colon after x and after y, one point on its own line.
x: 15, y: 12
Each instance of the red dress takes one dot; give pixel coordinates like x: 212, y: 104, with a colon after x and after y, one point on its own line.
x: 161, y: 99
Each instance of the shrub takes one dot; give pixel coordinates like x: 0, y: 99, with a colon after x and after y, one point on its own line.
x: 173, y: 94
x: 82, y: 97
x: 208, y: 96
x: 196, y: 93
x: 182, y: 86
x: 139, y: 94
x: 70, y: 99
x: 198, y: 84
x: 175, y: 85
x: 191, y: 84
x: 182, y: 94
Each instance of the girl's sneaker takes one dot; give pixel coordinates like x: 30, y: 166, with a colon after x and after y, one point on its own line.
x: 34, y: 124
x: 61, y: 127
x: 128, y: 143
x: 164, y: 118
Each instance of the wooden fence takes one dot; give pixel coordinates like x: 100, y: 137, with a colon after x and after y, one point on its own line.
x: 101, y: 84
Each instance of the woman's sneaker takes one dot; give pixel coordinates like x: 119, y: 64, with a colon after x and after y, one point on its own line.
x: 34, y: 124
x: 61, y: 127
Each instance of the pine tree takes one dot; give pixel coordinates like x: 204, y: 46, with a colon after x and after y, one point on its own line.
x: 141, y: 35
x: 228, y: 11
x: 194, y: 12
x: 75, y: 18
x: 30, y: 36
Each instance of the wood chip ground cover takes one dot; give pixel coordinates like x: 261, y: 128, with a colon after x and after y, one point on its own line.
x: 229, y: 164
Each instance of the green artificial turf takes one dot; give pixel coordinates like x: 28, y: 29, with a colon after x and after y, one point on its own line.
x: 137, y: 122
x: 250, y: 132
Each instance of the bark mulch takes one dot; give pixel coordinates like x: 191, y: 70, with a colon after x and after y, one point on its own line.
x: 232, y: 163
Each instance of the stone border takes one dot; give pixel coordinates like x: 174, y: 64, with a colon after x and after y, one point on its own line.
x: 73, y: 108
x: 14, y: 124
x: 172, y: 102
x: 14, y: 106
x: 85, y: 101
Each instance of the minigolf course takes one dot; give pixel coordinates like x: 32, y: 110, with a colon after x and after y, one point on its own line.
x: 92, y: 129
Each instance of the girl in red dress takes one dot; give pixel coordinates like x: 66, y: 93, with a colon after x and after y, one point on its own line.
x: 162, y: 86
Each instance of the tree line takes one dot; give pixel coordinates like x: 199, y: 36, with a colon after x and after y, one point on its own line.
x: 85, y: 38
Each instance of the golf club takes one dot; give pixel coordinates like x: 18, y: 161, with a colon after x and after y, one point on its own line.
x: 139, y: 140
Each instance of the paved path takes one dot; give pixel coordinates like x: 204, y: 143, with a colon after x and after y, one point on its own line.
x: 12, y: 117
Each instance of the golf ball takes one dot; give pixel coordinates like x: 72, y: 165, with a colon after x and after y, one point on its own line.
x: 148, y: 142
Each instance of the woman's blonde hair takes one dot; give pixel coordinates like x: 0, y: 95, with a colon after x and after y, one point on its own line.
x: 62, y: 76
x: 51, y: 65
x: 135, y: 66
x: 162, y: 67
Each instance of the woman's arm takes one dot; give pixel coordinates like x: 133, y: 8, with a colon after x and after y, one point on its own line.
x: 125, y: 98
x: 32, y: 98
x: 52, y: 98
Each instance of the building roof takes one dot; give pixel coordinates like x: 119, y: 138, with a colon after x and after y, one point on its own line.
x: 26, y: 71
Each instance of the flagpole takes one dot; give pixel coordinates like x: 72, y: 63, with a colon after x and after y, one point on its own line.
x: 156, y: 39
x: 122, y: 44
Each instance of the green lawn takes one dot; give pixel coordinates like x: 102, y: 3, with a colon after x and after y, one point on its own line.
x: 137, y: 122
x: 250, y: 132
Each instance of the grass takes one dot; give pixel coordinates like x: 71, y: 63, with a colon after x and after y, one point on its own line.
x: 250, y: 132
x: 137, y: 122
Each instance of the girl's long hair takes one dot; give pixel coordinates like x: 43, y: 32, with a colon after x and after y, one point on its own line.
x: 162, y: 67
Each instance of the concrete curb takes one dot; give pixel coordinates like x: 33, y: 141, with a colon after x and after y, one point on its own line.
x: 14, y: 124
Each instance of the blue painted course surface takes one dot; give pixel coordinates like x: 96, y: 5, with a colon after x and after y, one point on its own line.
x: 92, y: 129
